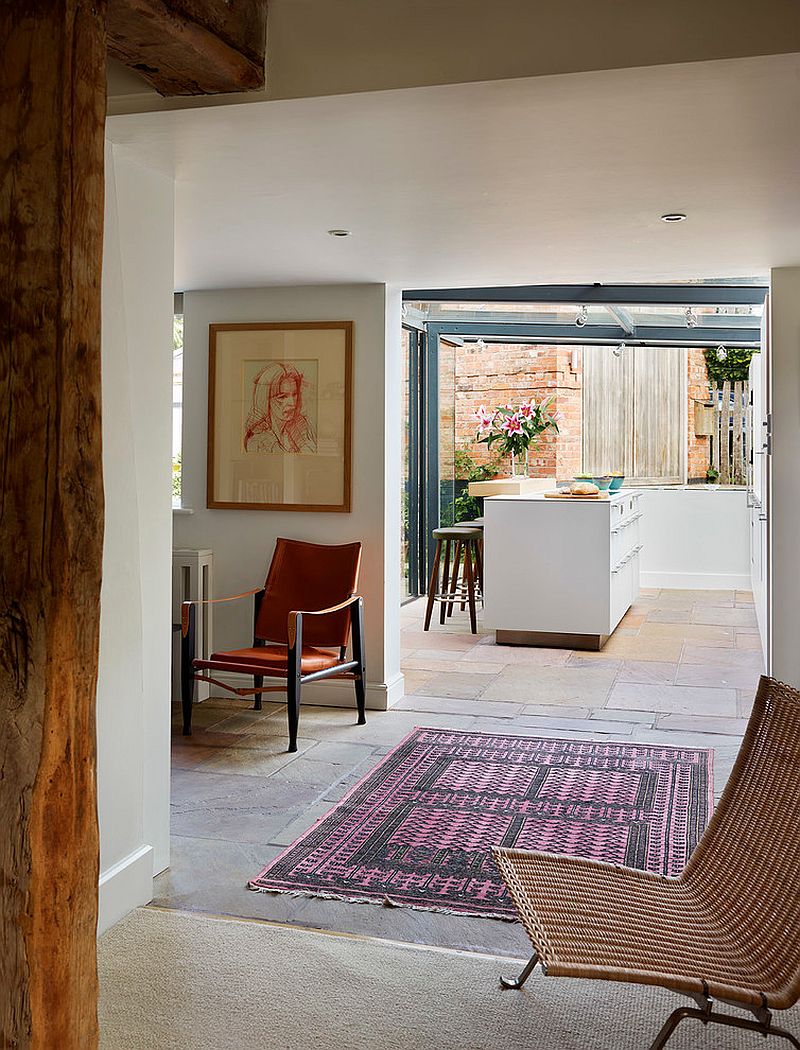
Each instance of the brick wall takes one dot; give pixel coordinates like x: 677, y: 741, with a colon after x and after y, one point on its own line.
x: 698, y: 448
x: 499, y: 373
x: 495, y: 374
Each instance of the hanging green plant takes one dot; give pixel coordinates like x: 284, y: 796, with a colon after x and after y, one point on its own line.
x: 735, y: 368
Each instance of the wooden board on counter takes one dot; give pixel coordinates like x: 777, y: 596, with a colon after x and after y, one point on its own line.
x: 510, y: 486
x: 564, y: 494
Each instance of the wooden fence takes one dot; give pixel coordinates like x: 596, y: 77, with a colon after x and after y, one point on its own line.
x: 730, y: 450
x: 633, y: 412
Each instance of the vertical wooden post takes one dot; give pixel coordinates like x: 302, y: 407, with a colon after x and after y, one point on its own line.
x: 725, y: 435
x: 52, y: 111
x: 715, y: 434
x: 738, y: 472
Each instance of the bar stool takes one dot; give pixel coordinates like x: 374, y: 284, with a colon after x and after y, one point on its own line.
x: 457, y: 543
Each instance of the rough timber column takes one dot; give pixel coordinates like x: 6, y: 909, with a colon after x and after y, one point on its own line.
x: 52, y: 109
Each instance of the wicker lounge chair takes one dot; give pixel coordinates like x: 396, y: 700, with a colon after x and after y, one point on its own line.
x: 727, y: 929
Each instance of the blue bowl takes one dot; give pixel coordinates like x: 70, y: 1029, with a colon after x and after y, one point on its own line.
x: 616, y: 482
x: 603, y: 482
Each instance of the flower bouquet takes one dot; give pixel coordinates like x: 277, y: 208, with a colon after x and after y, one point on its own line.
x: 513, y: 430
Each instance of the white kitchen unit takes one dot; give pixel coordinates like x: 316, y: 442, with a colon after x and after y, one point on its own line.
x: 560, y: 572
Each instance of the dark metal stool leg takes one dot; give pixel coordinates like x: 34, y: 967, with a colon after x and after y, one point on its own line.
x: 452, y: 588
x: 479, y: 565
x: 517, y: 982
x: 433, y: 586
x: 445, y: 580
x: 469, y: 548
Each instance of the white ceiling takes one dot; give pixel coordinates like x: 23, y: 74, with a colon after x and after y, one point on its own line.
x: 542, y: 180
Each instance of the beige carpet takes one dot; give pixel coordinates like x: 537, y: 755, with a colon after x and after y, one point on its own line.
x: 171, y: 980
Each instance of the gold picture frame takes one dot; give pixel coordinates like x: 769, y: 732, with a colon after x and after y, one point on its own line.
x: 280, y: 416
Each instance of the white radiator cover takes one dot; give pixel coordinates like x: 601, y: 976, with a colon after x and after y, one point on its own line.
x: 192, y: 575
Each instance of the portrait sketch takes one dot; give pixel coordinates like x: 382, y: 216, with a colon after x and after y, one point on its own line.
x: 280, y: 398
x: 279, y: 426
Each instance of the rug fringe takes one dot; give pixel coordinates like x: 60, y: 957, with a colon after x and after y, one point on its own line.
x: 385, y: 902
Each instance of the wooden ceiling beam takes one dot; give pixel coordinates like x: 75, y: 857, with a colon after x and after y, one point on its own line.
x: 191, y: 47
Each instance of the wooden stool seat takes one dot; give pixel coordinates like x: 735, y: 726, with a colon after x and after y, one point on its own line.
x: 462, y: 542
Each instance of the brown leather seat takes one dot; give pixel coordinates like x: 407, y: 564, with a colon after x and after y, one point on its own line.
x: 265, y: 658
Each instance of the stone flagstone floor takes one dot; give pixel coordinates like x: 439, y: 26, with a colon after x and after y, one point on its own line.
x: 681, y: 669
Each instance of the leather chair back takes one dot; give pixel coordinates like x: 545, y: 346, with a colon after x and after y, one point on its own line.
x: 308, y: 576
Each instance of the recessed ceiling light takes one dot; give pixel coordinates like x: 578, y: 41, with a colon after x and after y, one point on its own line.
x: 673, y: 216
x: 339, y: 233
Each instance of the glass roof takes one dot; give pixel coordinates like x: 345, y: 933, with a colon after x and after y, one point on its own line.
x: 565, y: 313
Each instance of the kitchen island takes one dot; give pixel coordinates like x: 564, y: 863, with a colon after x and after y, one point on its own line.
x: 560, y: 572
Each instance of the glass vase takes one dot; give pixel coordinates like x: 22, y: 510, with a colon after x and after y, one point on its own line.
x: 514, y: 465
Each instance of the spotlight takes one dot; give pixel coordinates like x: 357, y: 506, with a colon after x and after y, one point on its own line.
x: 618, y: 351
x: 582, y: 318
x: 692, y: 320
x: 722, y: 353
x: 481, y: 343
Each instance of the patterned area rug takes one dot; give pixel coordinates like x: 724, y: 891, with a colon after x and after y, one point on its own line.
x: 418, y: 829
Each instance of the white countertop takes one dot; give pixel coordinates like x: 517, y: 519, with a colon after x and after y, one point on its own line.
x: 539, y: 497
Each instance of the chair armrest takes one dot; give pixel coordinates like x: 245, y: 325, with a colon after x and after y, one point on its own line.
x: 187, y: 605
x: 297, y: 614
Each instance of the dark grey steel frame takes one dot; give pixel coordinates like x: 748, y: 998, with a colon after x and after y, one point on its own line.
x: 703, y: 1012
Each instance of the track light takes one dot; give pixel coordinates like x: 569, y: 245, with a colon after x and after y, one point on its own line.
x: 582, y: 318
x: 691, y: 318
x: 618, y: 351
x: 722, y: 353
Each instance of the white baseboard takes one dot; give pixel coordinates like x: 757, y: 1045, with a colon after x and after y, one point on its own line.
x: 332, y: 693
x: 126, y: 885
x: 696, y: 581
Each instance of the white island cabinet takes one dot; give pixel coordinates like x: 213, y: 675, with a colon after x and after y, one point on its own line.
x: 560, y: 572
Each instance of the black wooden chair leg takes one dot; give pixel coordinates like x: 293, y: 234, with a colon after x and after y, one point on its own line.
x: 258, y: 681
x: 293, y: 710
x: 357, y: 635
x: 361, y: 701
x: 187, y: 665
x: 187, y: 703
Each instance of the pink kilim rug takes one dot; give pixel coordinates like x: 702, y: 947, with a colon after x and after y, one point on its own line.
x: 418, y: 829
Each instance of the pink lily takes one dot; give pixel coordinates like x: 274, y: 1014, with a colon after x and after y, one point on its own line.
x: 483, y: 418
x: 512, y: 425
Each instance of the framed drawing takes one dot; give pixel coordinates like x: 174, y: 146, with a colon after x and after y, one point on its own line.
x: 279, y: 416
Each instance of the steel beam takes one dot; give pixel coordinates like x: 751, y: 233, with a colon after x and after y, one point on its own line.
x: 646, y: 335
x: 616, y: 294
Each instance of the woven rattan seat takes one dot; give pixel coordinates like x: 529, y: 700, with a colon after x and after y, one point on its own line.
x: 727, y: 928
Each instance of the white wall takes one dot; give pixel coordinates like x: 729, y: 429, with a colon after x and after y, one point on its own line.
x: 695, y: 538
x: 133, y: 711
x: 243, y: 540
x: 785, y: 509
